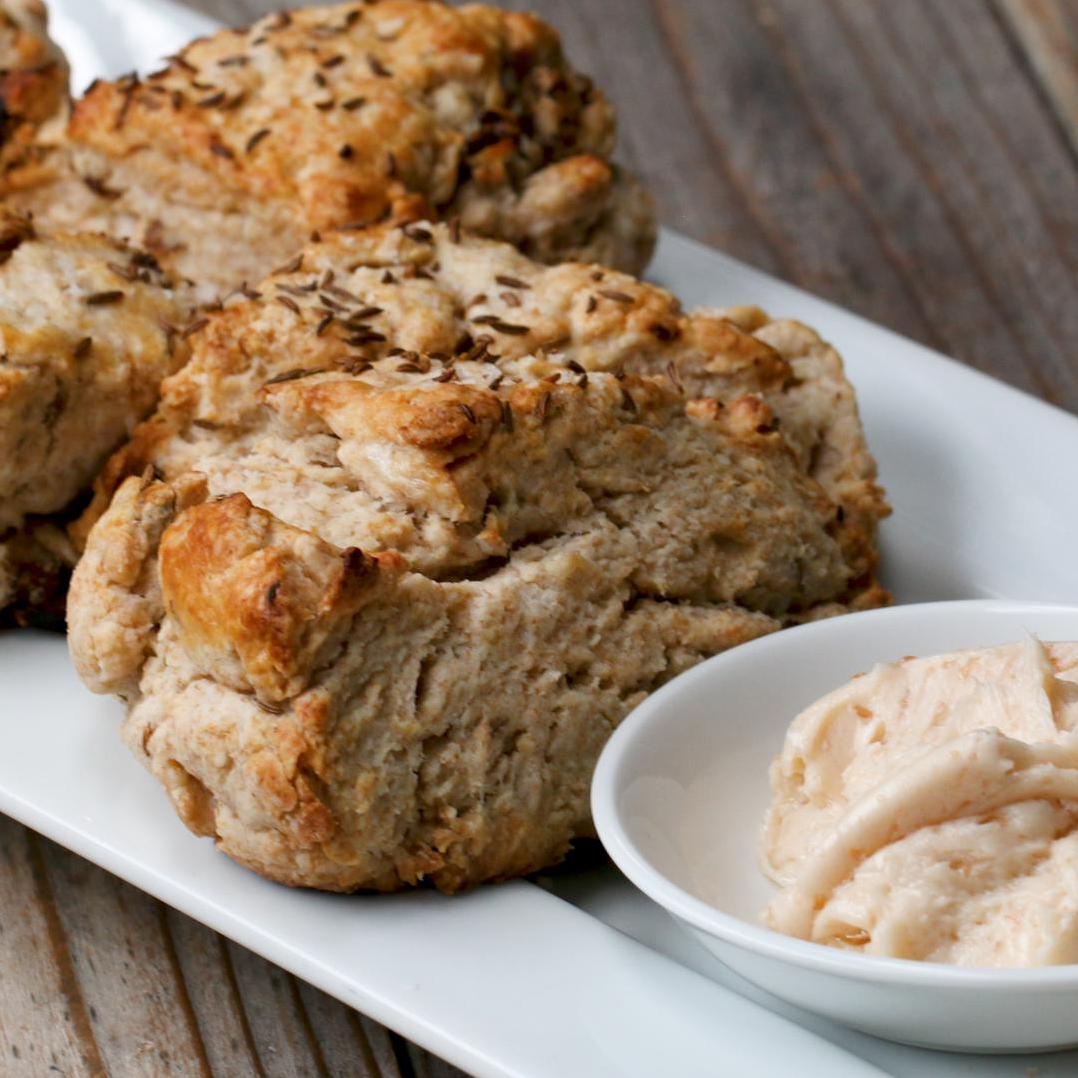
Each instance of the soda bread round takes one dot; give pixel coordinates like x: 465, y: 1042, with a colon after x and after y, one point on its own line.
x: 224, y: 162
x: 422, y: 520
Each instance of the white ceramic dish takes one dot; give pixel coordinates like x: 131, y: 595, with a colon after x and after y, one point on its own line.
x: 582, y: 975
x: 679, y: 796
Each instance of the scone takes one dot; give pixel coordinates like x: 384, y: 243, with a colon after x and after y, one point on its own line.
x: 88, y: 330
x: 33, y: 80
x: 422, y: 520
x: 224, y: 163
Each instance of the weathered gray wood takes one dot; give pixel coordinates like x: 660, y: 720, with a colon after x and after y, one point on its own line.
x: 843, y: 119
x: 279, y: 1025
x: 347, y: 1049
x: 387, y: 1048
x: 737, y: 66
x: 297, y: 1030
x: 1047, y: 31
x: 44, y: 1022
x: 1011, y: 252
x: 127, y: 972
x: 424, y: 1065
x: 211, y: 987
x: 911, y: 159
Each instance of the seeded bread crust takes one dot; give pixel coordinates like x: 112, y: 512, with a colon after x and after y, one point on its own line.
x: 86, y: 335
x: 223, y: 163
x: 418, y: 525
x: 425, y: 294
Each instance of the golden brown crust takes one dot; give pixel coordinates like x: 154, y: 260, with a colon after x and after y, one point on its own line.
x: 115, y: 621
x: 566, y: 491
x: 267, y: 607
x: 419, y: 294
x: 340, y: 116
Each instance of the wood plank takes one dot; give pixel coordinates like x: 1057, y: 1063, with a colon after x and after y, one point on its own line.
x: 880, y: 166
x: 1013, y: 101
x: 1012, y: 257
x: 874, y: 170
x: 206, y: 968
x: 758, y: 118
x: 126, y: 971
x: 390, y: 1050
x: 1047, y: 31
x: 280, y: 1028
x: 352, y: 1047
x: 44, y: 1023
x: 425, y: 1065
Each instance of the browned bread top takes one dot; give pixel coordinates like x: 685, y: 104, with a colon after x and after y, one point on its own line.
x: 403, y: 306
x: 226, y: 160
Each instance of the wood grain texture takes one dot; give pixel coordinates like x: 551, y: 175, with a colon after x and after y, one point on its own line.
x: 1047, y: 31
x: 912, y: 160
x: 44, y: 1020
x: 124, y: 961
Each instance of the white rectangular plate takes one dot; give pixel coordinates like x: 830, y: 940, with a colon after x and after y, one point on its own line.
x: 583, y: 975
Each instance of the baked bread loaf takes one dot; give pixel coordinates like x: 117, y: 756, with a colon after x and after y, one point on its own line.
x: 33, y: 81
x: 223, y: 163
x: 422, y: 520
x: 88, y: 328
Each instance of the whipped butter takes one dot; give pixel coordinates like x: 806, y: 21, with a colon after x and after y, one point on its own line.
x: 929, y: 810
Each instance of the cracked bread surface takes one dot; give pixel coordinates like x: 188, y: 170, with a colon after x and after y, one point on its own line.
x: 410, y: 297
x: 422, y: 520
x: 223, y: 163
x: 86, y: 335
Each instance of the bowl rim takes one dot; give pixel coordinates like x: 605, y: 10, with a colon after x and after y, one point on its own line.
x: 610, y: 777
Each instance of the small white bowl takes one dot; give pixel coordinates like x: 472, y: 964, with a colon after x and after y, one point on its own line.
x: 680, y: 792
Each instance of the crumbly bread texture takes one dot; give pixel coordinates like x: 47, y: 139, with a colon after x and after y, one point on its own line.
x: 33, y: 81
x: 422, y: 520
x: 223, y: 163
x: 88, y: 328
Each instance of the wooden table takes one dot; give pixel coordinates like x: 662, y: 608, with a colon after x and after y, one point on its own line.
x: 914, y: 160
